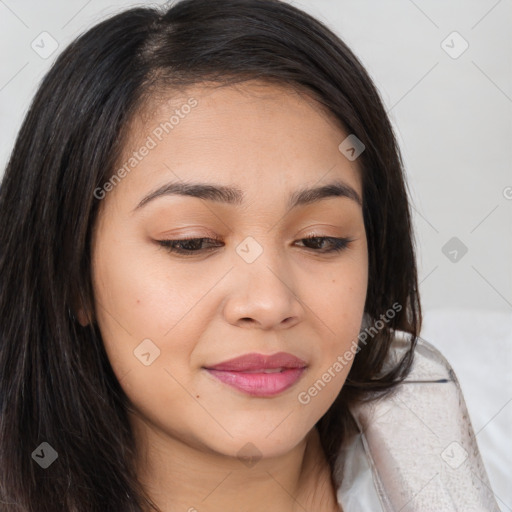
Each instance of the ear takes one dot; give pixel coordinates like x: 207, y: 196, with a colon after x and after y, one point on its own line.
x: 81, y: 313
x: 83, y: 317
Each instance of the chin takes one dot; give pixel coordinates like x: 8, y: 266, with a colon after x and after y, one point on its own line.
x: 252, y: 444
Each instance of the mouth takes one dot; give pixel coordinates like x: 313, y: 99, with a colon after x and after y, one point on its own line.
x: 260, y: 375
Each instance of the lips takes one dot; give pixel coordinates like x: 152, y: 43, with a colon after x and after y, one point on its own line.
x: 253, y: 362
x: 260, y: 375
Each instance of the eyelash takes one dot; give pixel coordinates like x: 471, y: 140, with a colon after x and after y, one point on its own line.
x: 340, y: 244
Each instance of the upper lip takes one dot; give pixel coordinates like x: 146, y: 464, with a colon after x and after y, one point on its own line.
x: 254, y: 361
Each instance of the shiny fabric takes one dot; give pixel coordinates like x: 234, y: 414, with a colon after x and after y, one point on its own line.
x: 416, y: 450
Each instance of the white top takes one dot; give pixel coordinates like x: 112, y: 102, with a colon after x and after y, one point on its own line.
x: 416, y: 450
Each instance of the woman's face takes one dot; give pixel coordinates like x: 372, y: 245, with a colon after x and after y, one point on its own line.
x: 254, y: 285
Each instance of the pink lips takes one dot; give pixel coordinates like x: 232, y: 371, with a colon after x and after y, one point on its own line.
x: 260, y: 375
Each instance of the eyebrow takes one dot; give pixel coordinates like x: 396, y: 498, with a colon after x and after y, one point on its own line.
x: 235, y: 196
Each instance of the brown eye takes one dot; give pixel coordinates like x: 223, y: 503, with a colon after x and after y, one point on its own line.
x: 335, y: 244
x: 187, y: 246
x: 191, y: 246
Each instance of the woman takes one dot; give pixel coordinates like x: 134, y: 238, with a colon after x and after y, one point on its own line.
x: 204, y: 210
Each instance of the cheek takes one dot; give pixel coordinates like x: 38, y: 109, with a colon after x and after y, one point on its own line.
x: 343, y: 309
x: 146, y: 318
x: 140, y: 297
x: 137, y: 286
x: 338, y: 301
x: 341, y: 295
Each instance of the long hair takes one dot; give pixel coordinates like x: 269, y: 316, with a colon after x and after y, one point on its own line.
x: 57, y: 385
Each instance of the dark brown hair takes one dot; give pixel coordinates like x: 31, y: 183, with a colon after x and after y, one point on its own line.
x: 57, y: 385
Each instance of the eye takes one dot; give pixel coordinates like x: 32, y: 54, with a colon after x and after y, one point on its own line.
x: 192, y: 246
x: 187, y: 246
x: 336, y: 244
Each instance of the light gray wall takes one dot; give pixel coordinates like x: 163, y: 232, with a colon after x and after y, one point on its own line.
x: 452, y: 117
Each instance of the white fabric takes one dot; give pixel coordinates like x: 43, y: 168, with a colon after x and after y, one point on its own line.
x: 416, y: 451
x: 357, y: 491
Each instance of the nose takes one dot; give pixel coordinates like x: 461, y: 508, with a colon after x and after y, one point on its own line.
x: 263, y: 294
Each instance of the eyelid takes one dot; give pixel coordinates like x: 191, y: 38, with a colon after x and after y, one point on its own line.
x: 340, y: 244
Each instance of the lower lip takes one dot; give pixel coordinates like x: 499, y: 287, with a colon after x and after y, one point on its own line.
x: 260, y: 384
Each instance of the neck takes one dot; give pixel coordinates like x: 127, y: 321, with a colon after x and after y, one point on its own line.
x: 181, y: 477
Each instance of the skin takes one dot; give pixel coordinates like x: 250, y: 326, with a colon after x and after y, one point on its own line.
x: 212, y: 306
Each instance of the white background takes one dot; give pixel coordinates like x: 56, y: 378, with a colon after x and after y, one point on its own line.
x: 453, y: 120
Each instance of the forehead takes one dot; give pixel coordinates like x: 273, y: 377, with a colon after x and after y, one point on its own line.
x: 253, y: 134
x: 260, y: 93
